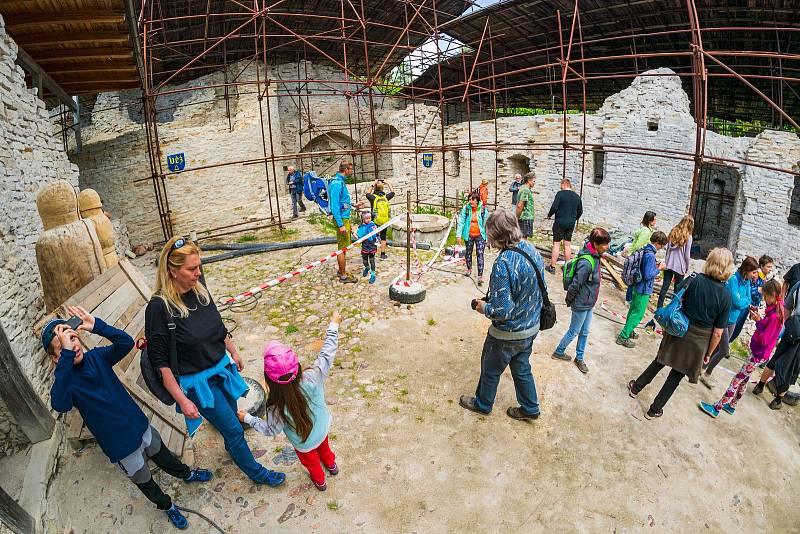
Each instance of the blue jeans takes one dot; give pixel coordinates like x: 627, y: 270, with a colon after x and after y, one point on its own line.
x: 297, y: 198
x: 578, y: 326
x: 223, y: 417
x: 497, y: 355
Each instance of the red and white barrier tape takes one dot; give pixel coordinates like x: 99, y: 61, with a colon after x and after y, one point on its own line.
x: 604, y: 306
x: 427, y: 267
x: 304, y: 269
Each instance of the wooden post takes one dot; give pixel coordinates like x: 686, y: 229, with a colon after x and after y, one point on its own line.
x: 13, y: 516
x: 408, y: 235
x: 20, y: 398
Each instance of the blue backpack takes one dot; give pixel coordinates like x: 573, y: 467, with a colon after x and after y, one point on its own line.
x: 671, y: 316
x: 315, y: 189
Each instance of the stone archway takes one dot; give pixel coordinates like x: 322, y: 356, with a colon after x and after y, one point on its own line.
x: 518, y: 164
x: 324, y: 152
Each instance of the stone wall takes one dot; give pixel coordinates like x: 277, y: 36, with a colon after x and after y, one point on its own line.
x: 30, y: 157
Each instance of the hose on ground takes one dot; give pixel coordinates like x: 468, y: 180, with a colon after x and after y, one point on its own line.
x: 195, y: 512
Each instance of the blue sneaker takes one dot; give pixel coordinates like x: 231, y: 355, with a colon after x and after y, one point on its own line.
x: 273, y: 479
x: 709, y: 409
x: 199, y: 475
x: 728, y: 408
x: 177, y: 518
x: 365, y: 272
x: 372, y: 275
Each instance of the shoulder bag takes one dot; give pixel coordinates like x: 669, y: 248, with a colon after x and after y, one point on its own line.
x: 152, y: 376
x: 671, y: 317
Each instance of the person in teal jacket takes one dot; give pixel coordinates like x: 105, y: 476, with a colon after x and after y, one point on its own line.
x: 738, y: 286
x: 340, y: 205
x: 472, y: 230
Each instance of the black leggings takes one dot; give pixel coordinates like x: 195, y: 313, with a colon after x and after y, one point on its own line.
x: 369, y: 261
x: 669, y: 276
x: 670, y: 384
x: 171, y: 465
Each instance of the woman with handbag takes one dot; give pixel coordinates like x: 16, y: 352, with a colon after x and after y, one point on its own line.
x: 706, y: 304
x: 204, y: 379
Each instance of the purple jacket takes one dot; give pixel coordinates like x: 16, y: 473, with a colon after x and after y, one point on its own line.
x: 766, y: 335
x: 678, y: 257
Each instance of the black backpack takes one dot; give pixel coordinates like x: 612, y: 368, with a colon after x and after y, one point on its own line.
x: 152, y: 376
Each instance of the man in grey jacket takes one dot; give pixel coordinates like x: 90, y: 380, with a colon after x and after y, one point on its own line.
x: 582, y: 294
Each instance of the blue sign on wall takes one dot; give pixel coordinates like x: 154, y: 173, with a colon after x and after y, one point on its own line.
x: 427, y: 160
x: 176, y: 162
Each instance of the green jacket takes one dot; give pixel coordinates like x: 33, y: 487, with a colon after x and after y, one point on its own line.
x: 464, y: 218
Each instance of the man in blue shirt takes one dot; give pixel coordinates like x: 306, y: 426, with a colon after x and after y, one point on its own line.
x: 87, y: 381
x: 295, y: 181
x: 514, y: 304
x: 340, y: 205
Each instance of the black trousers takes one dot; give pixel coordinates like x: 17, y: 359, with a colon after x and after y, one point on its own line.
x: 670, y: 384
x: 669, y: 276
x: 167, y: 461
x: 369, y: 261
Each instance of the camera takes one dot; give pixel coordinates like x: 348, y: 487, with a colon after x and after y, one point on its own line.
x: 74, y: 322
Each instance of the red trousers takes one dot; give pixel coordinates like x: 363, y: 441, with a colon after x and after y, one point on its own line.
x: 311, y: 460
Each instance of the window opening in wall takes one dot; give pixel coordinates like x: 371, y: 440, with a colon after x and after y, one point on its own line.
x: 519, y: 164
x: 652, y: 126
x: 599, y: 166
x: 794, y: 207
x: 715, y: 208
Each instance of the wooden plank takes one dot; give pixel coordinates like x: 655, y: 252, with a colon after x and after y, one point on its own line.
x: 16, y: 391
x: 175, y: 443
x: 58, y: 56
x: 138, y: 279
x: 166, y: 432
x: 135, y: 307
x: 90, y: 39
x: 188, y: 452
x: 173, y: 418
x: 614, y: 274
x: 122, y: 299
x: 74, y: 426
x: 27, y: 21
x: 13, y: 516
x: 98, y: 290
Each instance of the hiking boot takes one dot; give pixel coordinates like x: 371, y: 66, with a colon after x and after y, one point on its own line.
x: 346, y: 279
x: 469, y: 404
x: 563, y: 357
x: 772, y: 387
x: 273, y: 479
x: 550, y: 269
x: 728, y: 408
x: 372, y: 276
x: 480, y: 282
x: 653, y: 415
x: 708, y: 409
x: 651, y: 324
x: 321, y: 487
x: 634, y: 335
x: 581, y: 365
x: 631, y: 393
x: 333, y: 470
x: 758, y: 389
x: 627, y: 343
x: 468, y: 273
x: 707, y: 381
x: 791, y: 398
x: 519, y: 415
x: 199, y: 475
x: 177, y: 519
x: 775, y: 404
x: 383, y: 255
x: 364, y: 272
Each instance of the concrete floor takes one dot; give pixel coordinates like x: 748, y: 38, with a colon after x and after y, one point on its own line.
x: 412, y: 460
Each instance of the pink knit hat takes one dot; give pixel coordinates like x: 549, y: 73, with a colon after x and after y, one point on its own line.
x: 280, y: 360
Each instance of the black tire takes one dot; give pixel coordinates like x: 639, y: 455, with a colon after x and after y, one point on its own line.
x: 256, y: 400
x: 407, y: 294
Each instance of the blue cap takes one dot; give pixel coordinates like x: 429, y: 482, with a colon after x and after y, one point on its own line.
x: 48, y: 332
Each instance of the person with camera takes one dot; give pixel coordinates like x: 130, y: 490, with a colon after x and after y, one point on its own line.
x: 206, y: 382
x: 86, y: 381
x: 295, y: 182
x: 381, y: 209
x: 514, y: 305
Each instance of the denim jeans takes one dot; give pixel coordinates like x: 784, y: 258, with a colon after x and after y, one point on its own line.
x: 497, y: 355
x: 223, y: 417
x: 739, y: 325
x: 578, y: 326
x: 297, y: 198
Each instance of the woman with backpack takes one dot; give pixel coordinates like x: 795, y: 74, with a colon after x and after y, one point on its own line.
x: 706, y: 304
x: 677, y: 261
x: 381, y: 209
x: 471, y: 229
x: 582, y: 282
x: 739, y: 288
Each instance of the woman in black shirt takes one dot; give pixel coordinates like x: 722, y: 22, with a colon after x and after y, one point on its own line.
x: 208, y: 362
x: 706, y: 304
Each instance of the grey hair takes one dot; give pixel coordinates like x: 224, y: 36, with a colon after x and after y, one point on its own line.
x: 518, y: 175
x: 502, y: 229
x: 343, y: 166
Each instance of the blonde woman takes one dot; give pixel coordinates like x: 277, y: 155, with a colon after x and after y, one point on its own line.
x: 706, y: 304
x: 208, y: 382
x: 677, y: 261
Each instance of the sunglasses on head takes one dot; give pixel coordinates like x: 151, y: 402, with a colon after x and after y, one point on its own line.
x: 178, y: 244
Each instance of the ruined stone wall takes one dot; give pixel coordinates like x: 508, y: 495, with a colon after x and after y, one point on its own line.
x: 30, y: 157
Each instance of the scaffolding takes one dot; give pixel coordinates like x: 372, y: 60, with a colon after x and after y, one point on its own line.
x: 557, y: 55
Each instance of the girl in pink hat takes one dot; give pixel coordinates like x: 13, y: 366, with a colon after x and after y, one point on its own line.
x: 296, y: 403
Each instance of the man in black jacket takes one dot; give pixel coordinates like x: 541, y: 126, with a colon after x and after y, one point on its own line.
x: 567, y: 208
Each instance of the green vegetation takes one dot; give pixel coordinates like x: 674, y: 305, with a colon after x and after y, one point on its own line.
x: 740, y: 349
x: 521, y: 111
x: 333, y: 506
x: 328, y: 226
x: 431, y: 322
x: 246, y: 238
x: 291, y: 329
x: 740, y: 128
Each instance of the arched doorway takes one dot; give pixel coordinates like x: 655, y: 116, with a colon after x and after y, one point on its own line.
x: 324, y: 152
x: 715, y: 208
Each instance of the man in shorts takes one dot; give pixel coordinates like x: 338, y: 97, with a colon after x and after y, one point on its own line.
x: 525, y: 205
x: 340, y: 205
x: 567, y: 208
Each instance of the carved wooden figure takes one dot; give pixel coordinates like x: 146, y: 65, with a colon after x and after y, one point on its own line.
x: 91, y: 207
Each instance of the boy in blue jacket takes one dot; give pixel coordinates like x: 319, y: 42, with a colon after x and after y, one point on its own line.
x: 642, y: 290
x: 369, y: 247
x: 87, y: 381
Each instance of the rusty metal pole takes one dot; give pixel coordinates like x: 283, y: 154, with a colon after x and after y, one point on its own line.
x: 408, y: 235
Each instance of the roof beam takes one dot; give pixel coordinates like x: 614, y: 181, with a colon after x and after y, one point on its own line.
x: 85, y: 79
x: 28, y: 21
x: 49, y: 39
x: 94, y: 66
x: 55, y: 56
x: 27, y: 63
